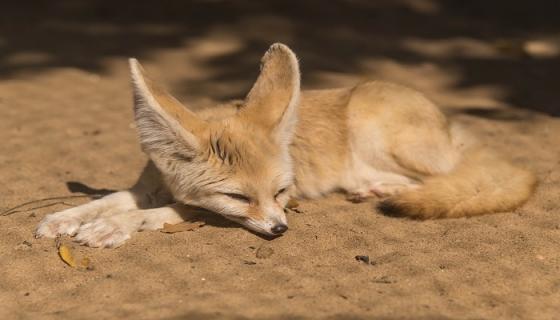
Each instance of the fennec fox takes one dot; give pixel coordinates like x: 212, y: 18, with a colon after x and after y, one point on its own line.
x: 244, y: 160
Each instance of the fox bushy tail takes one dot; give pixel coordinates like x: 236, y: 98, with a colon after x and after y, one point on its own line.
x: 480, y: 183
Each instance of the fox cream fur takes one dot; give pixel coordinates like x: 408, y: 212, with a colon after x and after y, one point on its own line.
x: 245, y: 159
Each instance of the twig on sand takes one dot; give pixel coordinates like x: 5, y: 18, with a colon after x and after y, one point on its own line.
x: 15, y: 209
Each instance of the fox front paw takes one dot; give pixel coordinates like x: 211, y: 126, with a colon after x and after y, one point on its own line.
x: 56, y: 224
x: 103, y: 232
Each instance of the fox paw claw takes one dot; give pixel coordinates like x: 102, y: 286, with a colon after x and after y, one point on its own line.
x: 102, y: 233
x: 53, y: 225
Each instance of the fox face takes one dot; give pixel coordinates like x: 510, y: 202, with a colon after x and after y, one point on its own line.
x: 238, y: 166
x: 237, y: 172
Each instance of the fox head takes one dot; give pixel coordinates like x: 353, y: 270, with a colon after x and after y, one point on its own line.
x: 238, y: 166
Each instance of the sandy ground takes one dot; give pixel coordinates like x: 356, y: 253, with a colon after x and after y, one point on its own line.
x: 66, y: 126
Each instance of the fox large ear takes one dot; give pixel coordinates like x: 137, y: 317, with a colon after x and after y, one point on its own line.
x: 273, y: 100
x: 167, y: 129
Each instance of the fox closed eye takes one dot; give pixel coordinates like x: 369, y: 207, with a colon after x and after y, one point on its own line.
x: 280, y: 192
x: 237, y: 196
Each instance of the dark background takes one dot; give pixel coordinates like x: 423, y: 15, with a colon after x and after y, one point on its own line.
x: 327, y: 35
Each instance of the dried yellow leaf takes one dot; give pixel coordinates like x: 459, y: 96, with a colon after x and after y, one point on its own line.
x: 66, y: 256
x: 183, y: 226
x: 292, y: 203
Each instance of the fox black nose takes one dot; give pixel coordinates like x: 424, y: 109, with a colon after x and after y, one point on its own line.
x: 279, y: 228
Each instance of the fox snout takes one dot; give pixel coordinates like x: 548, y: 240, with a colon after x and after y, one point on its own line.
x: 269, y: 221
x: 279, y: 228
x: 267, y: 228
x: 277, y: 222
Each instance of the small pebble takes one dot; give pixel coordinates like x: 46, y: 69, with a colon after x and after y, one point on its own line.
x: 364, y: 259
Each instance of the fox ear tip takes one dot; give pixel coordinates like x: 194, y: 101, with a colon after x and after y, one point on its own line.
x: 136, y: 70
x: 133, y: 63
x: 278, y: 48
x: 278, y: 45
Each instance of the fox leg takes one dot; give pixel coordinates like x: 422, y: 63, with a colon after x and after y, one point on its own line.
x: 112, y: 231
x: 148, y: 192
x: 380, y: 184
x: 69, y: 221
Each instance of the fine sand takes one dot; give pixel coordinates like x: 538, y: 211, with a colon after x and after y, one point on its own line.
x: 66, y: 129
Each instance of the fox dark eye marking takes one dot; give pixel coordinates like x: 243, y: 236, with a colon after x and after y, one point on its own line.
x: 280, y: 192
x: 238, y: 196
